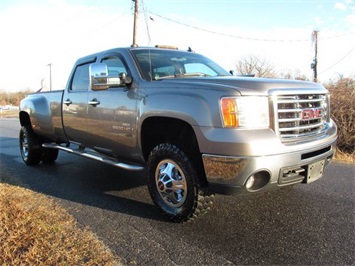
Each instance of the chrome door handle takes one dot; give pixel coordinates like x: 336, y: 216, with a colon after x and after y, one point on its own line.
x: 94, y: 102
x: 67, y: 102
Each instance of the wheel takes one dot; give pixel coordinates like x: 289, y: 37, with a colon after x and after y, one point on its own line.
x: 49, y: 155
x: 174, y: 185
x: 30, y: 146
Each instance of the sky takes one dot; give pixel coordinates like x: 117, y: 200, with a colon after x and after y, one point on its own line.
x: 36, y: 33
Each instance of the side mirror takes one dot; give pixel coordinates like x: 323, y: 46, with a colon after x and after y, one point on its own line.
x: 101, y: 80
x: 98, y: 76
x: 124, y: 79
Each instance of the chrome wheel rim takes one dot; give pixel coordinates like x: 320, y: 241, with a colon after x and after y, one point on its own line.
x: 171, y: 183
x: 24, y: 146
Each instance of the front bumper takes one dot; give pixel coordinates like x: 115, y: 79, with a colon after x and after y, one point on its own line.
x: 229, y: 174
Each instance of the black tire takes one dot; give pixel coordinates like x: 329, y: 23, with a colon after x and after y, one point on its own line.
x: 49, y: 155
x: 30, y: 146
x: 174, y: 184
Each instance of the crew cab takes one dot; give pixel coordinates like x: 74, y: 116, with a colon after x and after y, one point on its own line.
x: 189, y: 125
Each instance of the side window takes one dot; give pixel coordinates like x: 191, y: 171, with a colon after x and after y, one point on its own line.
x: 81, y: 80
x: 115, y: 66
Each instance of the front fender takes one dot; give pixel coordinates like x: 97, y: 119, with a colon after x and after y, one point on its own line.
x: 196, y: 110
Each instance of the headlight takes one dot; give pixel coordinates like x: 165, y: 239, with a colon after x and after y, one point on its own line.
x: 250, y: 112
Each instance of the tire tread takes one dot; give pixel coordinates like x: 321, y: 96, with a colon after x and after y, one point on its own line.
x: 203, y: 200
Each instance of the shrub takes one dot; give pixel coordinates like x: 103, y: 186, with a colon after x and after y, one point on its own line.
x: 342, y: 93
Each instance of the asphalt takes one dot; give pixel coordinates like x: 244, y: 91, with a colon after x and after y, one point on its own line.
x: 310, y: 224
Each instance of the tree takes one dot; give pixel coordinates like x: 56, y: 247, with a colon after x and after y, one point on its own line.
x: 295, y: 74
x: 342, y: 94
x: 253, y: 65
x: 12, y: 98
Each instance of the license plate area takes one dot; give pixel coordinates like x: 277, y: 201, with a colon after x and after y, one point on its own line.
x: 315, y: 171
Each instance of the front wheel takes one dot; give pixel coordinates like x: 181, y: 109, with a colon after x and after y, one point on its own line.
x: 174, y: 184
x: 30, y: 147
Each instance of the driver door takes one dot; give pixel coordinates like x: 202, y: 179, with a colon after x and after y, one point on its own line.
x: 112, y: 116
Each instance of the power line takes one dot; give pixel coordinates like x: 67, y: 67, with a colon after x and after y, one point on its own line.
x: 225, y: 34
x: 341, y: 59
x: 146, y: 23
x: 241, y: 37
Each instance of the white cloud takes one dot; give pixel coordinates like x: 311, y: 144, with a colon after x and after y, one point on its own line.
x: 340, y: 6
x: 350, y: 19
x: 318, y: 21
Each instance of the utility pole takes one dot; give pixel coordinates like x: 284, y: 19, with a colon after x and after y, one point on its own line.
x: 50, y: 76
x: 315, y: 60
x: 135, y: 23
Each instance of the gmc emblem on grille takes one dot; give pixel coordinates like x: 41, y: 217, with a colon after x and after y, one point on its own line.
x: 312, y: 113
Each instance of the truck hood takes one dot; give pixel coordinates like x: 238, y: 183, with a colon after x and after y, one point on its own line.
x: 244, y: 85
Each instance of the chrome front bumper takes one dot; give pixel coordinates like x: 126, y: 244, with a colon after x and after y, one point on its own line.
x: 229, y: 174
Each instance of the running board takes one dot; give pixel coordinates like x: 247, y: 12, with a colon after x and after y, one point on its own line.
x: 103, y: 159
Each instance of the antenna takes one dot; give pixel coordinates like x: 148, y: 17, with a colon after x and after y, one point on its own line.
x: 50, y: 76
x: 135, y: 23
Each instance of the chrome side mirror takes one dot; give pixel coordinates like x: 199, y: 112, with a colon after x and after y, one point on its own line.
x: 100, y: 79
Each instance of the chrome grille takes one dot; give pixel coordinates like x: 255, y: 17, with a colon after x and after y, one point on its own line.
x: 300, y: 116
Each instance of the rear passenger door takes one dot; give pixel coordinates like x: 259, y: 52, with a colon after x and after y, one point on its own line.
x: 75, y: 101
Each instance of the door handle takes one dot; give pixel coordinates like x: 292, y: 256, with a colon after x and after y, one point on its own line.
x: 67, y: 102
x: 94, y: 102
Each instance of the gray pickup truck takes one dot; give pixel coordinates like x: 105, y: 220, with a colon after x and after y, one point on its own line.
x: 191, y: 126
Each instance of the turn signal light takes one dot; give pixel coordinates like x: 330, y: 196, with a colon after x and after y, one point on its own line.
x: 245, y: 112
x: 229, y: 112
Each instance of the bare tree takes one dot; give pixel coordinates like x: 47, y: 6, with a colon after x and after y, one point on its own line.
x: 253, y: 65
x: 12, y: 98
x: 295, y: 74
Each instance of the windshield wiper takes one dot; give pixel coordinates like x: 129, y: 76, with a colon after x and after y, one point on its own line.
x: 193, y: 74
x: 166, y: 77
x: 185, y: 75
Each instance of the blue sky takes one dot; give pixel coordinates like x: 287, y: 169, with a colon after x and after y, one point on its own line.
x: 256, y: 14
x: 38, y: 32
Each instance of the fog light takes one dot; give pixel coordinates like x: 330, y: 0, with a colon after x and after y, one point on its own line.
x: 250, y: 182
x: 257, y: 181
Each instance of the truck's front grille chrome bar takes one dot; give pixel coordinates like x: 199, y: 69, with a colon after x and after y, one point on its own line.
x: 300, y: 116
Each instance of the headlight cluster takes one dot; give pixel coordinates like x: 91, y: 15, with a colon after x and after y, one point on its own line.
x: 247, y: 111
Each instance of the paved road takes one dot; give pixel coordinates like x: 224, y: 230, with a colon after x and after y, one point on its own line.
x: 308, y: 224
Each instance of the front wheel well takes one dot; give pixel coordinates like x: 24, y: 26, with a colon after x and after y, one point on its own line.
x: 158, y: 130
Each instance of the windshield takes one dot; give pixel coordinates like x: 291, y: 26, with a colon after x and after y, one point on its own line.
x: 155, y: 64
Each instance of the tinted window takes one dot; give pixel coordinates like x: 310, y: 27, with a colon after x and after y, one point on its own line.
x: 81, y: 79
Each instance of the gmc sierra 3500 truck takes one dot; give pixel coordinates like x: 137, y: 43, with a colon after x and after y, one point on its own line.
x: 190, y: 125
